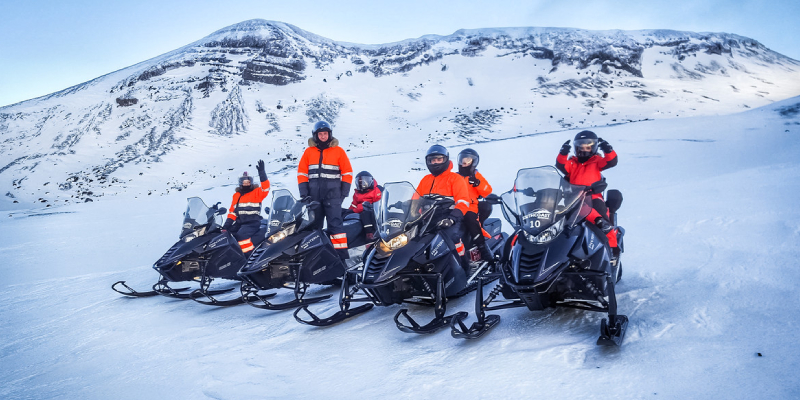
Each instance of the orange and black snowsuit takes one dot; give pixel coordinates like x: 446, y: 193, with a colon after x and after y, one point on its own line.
x: 245, y: 213
x: 325, y: 174
x: 585, y: 174
x: 452, y: 185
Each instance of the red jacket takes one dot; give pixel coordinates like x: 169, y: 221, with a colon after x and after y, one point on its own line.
x: 373, y: 196
x: 587, y: 173
x: 448, y: 184
x: 476, y: 192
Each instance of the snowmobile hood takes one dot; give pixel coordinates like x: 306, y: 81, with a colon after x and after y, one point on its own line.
x: 182, y: 248
x: 382, y: 270
x: 267, y: 252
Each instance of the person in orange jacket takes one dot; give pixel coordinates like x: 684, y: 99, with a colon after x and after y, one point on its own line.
x: 244, y: 215
x: 366, y: 191
x: 444, y: 182
x: 478, y: 187
x: 584, y: 168
x: 324, y: 174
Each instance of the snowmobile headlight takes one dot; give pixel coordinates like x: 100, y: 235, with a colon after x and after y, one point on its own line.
x: 196, y: 234
x: 393, y: 244
x: 282, y: 234
x: 547, y: 234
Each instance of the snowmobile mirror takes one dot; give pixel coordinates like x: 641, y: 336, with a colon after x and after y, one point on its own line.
x: 221, y: 211
x: 266, y: 210
x: 599, y: 187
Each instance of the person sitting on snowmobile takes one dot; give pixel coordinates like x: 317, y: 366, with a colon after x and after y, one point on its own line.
x: 366, y: 191
x: 244, y: 215
x: 477, y: 187
x: 324, y: 174
x: 442, y: 181
x: 584, y: 169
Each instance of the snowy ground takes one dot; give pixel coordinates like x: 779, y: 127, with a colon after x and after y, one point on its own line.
x: 710, y: 275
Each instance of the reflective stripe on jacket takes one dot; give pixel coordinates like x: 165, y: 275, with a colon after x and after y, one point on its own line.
x: 324, y: 171
x: 247, y: 207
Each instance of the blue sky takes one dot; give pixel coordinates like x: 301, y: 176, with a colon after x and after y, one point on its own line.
x: 48, y: 45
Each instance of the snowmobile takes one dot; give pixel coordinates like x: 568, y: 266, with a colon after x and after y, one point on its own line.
x: 297, y: 253
x: 556, y: 258
x: 414, y: 262
x: 202, y: 253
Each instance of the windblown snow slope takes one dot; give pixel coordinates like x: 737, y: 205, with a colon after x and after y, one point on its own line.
x: 254, y: 89
x: 709, y: 284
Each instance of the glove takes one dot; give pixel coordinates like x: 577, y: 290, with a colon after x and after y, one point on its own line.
x: 604, y: 146
x: 262, y: 174
x: 345, y: 189
x: 474, y: 181
x: 303, y: 186
x: 565, y: 148
x: 305, y: 199
x: 445, y: 223
x: 454, y: 217
x: 603, y: 225
x: 227, y: 225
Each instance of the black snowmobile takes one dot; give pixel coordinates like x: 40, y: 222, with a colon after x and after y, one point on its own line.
x: 413, y: 262
x: 556, y: 258
x: 204, y: 252
x: 297, y: 253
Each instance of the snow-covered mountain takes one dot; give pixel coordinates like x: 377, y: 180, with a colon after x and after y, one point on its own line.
x: 253, y: 90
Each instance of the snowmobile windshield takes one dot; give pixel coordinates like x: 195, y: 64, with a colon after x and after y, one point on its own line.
x: 400, y: 207
x: 286, y: 211
x: 199, y: 214
x: 542, y: 197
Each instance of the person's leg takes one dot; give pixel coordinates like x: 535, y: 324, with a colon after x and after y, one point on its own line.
x: 475, y: 232
x: 244, y: 235
x: 484, y: 211
x: 333, y: 214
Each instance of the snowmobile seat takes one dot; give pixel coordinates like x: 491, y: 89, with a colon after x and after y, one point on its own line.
x: 614, y: 201
x: 353, y: 228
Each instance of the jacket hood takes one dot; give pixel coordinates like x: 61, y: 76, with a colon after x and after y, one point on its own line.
x: 332, y: 143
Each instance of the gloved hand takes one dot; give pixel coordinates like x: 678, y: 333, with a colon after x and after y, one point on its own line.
x: 474, y: 181
x: 604, y: 225
x: 262, y: 174
x: 303, y: 188
x: 345, y: 189
x: 565, y: 148
x: 305, y: 199
x: 604, y: 146
x: 454, y: 217
x: 227, y: 225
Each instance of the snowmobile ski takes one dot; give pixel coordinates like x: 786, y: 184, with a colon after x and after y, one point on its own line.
x: 612, y: 336
x: 460, y: 331
x: 133, y: 293
x: 197, y: 295
x: 289, y: 304
x: 431, y: 327
x: 337, y: 317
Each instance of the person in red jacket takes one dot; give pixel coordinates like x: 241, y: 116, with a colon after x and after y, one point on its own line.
x: 444, y: 182
x: 244, y: 215
x: 477, y: 187
x: 584, y: 168
x: 324, y: 174
x: 366, y: 191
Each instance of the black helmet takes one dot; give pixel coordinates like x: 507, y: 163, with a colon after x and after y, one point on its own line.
x: 437, y: 151
x: 467, y: 162
x: 364, y: 182
x: 321, y: 126
x: 245, y: 177
x: 585, y: 145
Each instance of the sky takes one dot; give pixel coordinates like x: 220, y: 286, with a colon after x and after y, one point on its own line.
x: 50, y: 45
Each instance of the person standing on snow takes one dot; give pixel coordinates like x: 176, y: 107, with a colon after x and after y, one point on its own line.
x: 324, y: 175
x: 244, y: 215
x: 584, y: 169
x: 442, y: 181
x: 366, y: 191
x: 477, y: 187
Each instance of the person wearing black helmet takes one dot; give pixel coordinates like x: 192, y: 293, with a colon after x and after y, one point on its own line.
x: 244, y: 215
x: 442, y: 181
x: 478, y: 188
x: 324, y: 174
x: 366, y: 193
x: 584, y: 168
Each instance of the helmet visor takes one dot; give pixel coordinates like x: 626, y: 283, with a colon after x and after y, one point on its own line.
x: 467, y: 160
x: 364, y: 183
x: 585, y: 147
x: 434, y: 159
